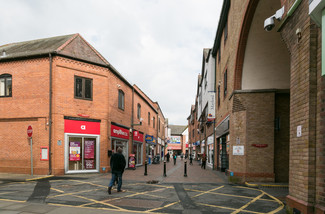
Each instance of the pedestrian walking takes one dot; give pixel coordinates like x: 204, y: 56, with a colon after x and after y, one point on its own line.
x: 191, y: 159
x: 168, y: 156
x: 204, y: 160
x: 174, y: 157
x: 118, y: 164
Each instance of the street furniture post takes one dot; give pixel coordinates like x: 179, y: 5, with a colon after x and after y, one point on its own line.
x: 185, y: 169
x: 145, y: 168
x: 165, y: 169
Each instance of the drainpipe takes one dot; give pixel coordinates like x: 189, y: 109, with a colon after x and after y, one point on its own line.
x: 132, y: 113
x: 323, y: 43
x: 50, y: 115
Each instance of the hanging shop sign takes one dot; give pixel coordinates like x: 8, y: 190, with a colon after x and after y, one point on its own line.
x: 137, y: 136
x: 211, y: 107
x: 175, y: 139
x: 81, y: 127
x: 119, y: 132
x: 210, y: 140
x: 150, y: 139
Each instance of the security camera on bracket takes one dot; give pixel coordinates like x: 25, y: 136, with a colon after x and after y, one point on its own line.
x: 269, y: 22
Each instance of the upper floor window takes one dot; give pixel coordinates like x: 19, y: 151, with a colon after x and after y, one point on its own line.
x: 225, y: 84
x: 218, y: 95
x: 149, y: 118
x: 120, y: 99
x: 5, y: 85
x: 225, y: 31
x: 139, y: 111
x: 219, y: 55
x: 83, y: 88
x: 159, y: 124
x: 153, y: 122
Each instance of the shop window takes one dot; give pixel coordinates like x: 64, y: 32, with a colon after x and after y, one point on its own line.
x: 5, y: 85
x: 121, y: 99
x: 139, y: 111
x: 83, y: 88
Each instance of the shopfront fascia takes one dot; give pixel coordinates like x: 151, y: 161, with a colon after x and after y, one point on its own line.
x: 150, y: 146
x: 81, y: 151
x: 222, y: 135
x: 120, y: 138
x: 138, y: 147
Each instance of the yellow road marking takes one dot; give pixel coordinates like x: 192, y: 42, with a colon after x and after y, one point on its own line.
x: 229, y: 195
x: 57, y: 190
x: 207, y: 191
x: 84, y: 182
x: 226, y: 208
x: 34, y: 179
x: 246, y: 205
x: 2, y: 193
x: 72, y: 193
x: 159, y: 208
x: 12, y: 200
x: 100, y: 202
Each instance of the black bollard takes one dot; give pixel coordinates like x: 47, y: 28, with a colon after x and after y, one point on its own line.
x: 145, y: 167
x: 165, y: 169
x: 185, y: 169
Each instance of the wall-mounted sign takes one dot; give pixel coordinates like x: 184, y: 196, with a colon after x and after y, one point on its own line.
x: 150, y: 139
x: 298, y: 131
x: 259, y: 145
x: 44, y: 153
x: 175, y: 139
x: 137, y: 136
x: 119, y: 132
x: 238, y: 150
x: 81, y: 127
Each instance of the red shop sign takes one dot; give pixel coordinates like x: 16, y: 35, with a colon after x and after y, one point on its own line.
x: 81, y: 127
x: 137, y: 136
x: 119, y: 132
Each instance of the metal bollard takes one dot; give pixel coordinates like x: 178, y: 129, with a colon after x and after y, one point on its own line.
x: 185, y: 169
x: 165, y: 169
x: 145, y: 168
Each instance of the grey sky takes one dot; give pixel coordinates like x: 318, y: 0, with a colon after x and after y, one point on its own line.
x: 155, y: 44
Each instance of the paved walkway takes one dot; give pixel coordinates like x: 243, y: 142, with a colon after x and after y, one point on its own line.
x: 202, y: 191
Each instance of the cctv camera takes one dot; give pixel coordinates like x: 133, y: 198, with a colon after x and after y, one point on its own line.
x: 269, y: 22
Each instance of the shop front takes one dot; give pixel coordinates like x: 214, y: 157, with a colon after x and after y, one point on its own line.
x: 120, y: 138
x: 150, y: 147
x: 82, y: 137
x: 138, y: 147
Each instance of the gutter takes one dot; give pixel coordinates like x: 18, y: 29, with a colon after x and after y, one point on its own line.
x: 50, y: 115
x: 289, y: 13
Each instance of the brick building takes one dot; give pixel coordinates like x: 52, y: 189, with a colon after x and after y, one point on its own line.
x: 269, y: 122
x: 79, y: 106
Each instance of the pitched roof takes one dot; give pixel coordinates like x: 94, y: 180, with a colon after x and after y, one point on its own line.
x: 177, y: 129
x: 72, y: 45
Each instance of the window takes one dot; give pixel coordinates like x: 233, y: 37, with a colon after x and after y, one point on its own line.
x: 225, y: 31
x: 149, y: 118
x: 120, y: 99
x: 218, y: 95
x: 83, y: 88
x: 159, y: 124
x: 153, y: 122
x: 5, y: 85
x: 225, y: 84
x: 219, y: 55
x: 139, y: 111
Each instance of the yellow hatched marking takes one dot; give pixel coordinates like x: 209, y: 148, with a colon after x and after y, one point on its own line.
x: 202, y: 193
x: 2, y: 193
x: 100, y: 202
x: 226, y: 208
x: 246, y: 205
x: 159, y: 208
x: 84, y: 182
x: 12, y: 200
x: 57, y: 190
x: 229, y: 195
x: 72, y: 193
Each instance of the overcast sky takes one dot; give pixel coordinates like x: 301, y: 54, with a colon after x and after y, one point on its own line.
x: 155, y: 44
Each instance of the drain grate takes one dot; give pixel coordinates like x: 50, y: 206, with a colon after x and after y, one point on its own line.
x: 152, y: 182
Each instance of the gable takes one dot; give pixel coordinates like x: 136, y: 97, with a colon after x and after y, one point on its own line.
x: 80, y: 49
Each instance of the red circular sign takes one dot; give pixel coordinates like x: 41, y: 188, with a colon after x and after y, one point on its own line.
x: 29, y: 131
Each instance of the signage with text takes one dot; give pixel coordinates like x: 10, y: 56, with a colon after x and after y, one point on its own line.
x: 81, y: 127
x: 119, y: 132
x: 137, y: 136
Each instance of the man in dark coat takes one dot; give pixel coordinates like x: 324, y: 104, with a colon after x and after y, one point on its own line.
x: 118, y: 164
